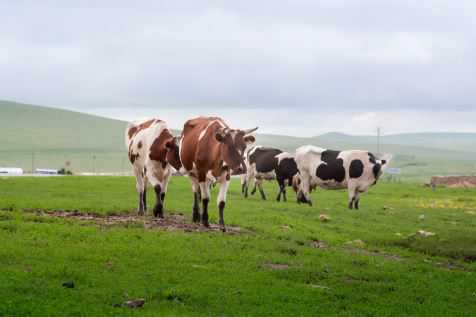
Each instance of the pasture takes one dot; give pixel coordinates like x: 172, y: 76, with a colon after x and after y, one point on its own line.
x: 280, y: 259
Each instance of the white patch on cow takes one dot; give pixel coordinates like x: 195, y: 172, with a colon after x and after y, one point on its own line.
x: 204, y: 131
x: 310, y: 149
x: 284, y: 155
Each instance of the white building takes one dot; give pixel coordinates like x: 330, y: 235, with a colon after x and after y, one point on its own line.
x: 45, y: 171
x: 11, y: 171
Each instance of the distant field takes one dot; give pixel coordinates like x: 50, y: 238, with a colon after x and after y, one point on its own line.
x: 41, y: 137
x: 285, y: 261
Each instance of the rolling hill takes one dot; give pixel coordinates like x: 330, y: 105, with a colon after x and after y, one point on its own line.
x: 42, y: 137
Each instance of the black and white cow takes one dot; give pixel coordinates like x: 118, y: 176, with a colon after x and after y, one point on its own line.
x: 268, y: 164
x: 355, y: 170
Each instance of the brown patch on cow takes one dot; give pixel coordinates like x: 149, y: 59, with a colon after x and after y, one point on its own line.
x: 171, y: 222
x: 158, y: 149
x: 132, y: 157
x: 136, y: 129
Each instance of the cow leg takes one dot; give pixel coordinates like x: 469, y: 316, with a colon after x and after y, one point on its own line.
x: 280, y: 183
x: 141, y: 190
x: 221, y: 200
x: 254, y: 189
x: 159, y: 206
x: 284, y: 193
x: 196, y: 200
x: 357, y: 200
x: 164, y: 190
x: 259, y: 183
x: 243, y: 183
x: 205, y: 192
x: 303, y: 195
x: 144, y: 198
x: 159, y: 188
x: 249, y: 181
x: 352, y: 195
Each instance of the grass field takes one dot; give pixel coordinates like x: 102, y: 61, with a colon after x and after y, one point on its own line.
x: 283, y: 262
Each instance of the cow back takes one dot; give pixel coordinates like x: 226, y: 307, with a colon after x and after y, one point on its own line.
x: 265, y: 159
x: 198, y: 144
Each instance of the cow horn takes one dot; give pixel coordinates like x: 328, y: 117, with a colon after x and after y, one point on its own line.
x: 249, y: 131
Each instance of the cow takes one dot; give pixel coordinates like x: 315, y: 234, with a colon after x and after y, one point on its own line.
x: 211, y: 151
x: 265, y: 163
x: 152, y: 151
x: 355, y: 170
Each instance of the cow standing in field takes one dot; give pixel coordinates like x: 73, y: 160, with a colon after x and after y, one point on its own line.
x: 210, y: 150
x: 355, y: 170
x: 269, y: 164
x: 153, y: 151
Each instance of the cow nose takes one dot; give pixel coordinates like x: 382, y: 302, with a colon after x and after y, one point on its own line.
x: 239, y: 171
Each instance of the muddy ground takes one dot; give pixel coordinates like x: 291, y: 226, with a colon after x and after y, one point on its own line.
x: 173, y: 221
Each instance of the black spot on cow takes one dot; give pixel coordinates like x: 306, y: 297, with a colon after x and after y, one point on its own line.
x: 376, y: 170
x: 332, y: 167
x: 287, y: 169
x: 265, y: 159
x: 356, y: 169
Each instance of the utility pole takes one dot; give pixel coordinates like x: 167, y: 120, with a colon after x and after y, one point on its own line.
x: 33, y: 162
x: 94, y: 164
x: 378, y: 140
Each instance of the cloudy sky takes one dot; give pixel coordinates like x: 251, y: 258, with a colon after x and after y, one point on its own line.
x: 292, y: 67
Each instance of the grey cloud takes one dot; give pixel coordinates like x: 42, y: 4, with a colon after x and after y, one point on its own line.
x: 329, y: 55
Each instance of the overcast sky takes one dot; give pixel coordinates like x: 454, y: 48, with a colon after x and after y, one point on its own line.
x: 291, y: 67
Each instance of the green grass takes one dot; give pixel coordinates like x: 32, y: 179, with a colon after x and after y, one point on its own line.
x: 392, y: 273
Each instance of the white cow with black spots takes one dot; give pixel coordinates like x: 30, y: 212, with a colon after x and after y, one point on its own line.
x: 355, y: 170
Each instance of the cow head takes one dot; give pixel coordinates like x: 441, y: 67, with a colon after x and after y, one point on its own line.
x: 302, y: 194
x: 173, y: 153
x: 234, y: 145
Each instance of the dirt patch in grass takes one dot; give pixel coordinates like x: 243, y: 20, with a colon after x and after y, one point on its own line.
x: 385, y: 255
x: 171, y: 222
x: 460, y: 246
x: 276, y: 266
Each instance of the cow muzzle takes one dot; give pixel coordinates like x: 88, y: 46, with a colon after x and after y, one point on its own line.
x: 239, y: 170
x: 301, y: 198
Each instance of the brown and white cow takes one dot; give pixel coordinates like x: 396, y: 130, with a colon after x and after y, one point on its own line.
x: 153, y: 151
x: 211, y: 151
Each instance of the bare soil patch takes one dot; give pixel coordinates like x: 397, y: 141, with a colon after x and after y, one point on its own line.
x: 276, y: 266
x: 387, y: 256
x: 171, y: 222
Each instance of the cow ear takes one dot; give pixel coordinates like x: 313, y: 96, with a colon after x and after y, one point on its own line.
x: 250, y: 139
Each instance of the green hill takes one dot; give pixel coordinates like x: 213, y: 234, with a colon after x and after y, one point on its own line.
x: 42, y: 137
